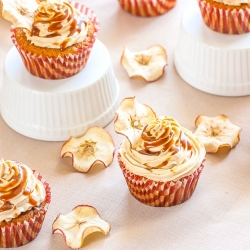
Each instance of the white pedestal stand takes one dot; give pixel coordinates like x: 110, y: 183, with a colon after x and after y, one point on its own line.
x: 54, y: 110
x: 209, y: 61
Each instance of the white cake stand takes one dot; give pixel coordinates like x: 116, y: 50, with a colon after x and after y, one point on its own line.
x: 54, y: 110
x: 209, y: 61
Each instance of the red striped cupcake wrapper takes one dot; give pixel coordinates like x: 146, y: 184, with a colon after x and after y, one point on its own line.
x: 226, y: 21
x: 60, y: 67
x: 147, y: 8
x: 160, y: 194
x: 23, y: 233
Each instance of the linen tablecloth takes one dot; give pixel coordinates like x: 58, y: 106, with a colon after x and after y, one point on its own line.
x: 217, y: 216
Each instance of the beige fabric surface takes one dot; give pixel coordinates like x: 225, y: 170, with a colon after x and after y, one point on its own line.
x: 217, y: 216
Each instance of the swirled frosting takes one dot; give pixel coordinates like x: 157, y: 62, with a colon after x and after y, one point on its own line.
x: 20, y: 190
x: 57, y: 25
x: 48, y: 23
x: 165, y: 152
x: 233, y: 2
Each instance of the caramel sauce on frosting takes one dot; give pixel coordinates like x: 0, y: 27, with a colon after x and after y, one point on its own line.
x: 57, y: 25
x: 48, y: 23
x: 164, y: 135
x: 19, y: 189
x: 165, y: 151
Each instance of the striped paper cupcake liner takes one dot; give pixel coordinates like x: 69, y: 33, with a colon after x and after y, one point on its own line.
x: 160, y: 194
x: 20, y: 234
x: 59, y: 67
x: 225, y: 20
x: 147, y: 8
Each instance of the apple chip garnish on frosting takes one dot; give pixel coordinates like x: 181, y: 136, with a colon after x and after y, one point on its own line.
x: 96, y: 146
x: 148, y: 64
x: 79, y: 223
x: 131, y: 118
x: 19, y: 12
x: 217, y: 132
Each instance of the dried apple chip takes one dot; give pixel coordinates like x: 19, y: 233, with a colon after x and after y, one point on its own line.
x: 79, y: 223
x: 96, y: 146
x: 148, y: 64
x: 131, y: 118
x: 19, y: 12
x: 217, y: 132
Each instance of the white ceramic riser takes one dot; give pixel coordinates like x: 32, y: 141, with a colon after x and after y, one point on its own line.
x: 77, y: 109
x: 40, y: 133
x: 210, y: 61
x: 54, y: 110
x: 212, y: 64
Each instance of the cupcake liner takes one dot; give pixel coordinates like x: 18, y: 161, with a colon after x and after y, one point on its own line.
x: 147, y: 8
x: 20, y: 234
x: 226, y: 21
x: 59, y: 67
x: 160, y: 194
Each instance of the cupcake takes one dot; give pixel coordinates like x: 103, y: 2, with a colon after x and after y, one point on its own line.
x: 53, y: 37
x: 226, y: 16
x: 24, y: 200
x: 160, y: 160
x: 147, y: 8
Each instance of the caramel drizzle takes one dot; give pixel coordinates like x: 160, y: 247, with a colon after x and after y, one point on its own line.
x: 183, y: 142
x: 15, y: 187
x: 6, y: 206
x: 146, y: 136
x: 167, y: 143
x: 32, y: 201
x: 164, y: 163
x: 56, y: 23
x: 14, y: 181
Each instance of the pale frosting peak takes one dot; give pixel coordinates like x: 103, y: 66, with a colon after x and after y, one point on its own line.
x: 20, y: 190
x: 160, y: 135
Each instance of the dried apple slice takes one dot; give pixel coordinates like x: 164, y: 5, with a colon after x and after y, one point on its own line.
x: 131, y: 118
x: 217, y: 132
x: 148, y: 64
x: 79, y: 223
x: 19, y: 12
x: 96, y: 146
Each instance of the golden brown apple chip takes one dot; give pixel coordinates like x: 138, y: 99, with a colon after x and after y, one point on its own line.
x: 148, y: 64
x: 79, y: 223
x: 217, y: 132
x: 96, y: 146
x: 131, y: 118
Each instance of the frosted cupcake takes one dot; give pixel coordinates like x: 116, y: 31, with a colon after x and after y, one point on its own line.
x: 24, y: 200
x: 160, y: 160
x: 53, y: 37
x: 147, y: 8
x: 226, y: 16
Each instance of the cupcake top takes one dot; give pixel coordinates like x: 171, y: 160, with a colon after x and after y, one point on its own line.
x: 233, y: 2
x: 49, y: 23
x: 20, y: 190
x: 162, y: 150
